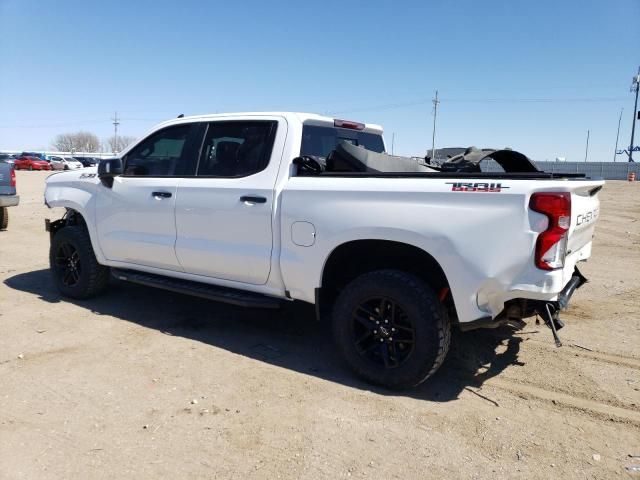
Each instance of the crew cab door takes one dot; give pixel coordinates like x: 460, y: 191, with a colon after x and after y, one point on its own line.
x: 224, y: 213
x: 136, y: 216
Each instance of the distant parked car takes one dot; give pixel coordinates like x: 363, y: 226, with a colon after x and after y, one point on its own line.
x: 7, y: 158
x: 8, y: 196
x: 55, y: 165
x: 88, y: 161
x: 31, y: 163
x: 64, y: 163
x: 39, y: 156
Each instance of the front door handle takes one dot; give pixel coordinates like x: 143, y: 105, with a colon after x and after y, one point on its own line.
x: 253, y: 199
x: 160, y: 195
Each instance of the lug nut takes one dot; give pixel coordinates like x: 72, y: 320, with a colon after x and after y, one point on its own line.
x: 391, y: 339
x: 386, y: 321
x: 393, y: 329
x: 381, y: 340
x: 375, y: 331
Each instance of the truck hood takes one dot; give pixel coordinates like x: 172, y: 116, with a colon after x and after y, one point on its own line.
x: 72, y: 175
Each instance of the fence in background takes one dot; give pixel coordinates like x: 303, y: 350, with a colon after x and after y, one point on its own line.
x: 606, y: 170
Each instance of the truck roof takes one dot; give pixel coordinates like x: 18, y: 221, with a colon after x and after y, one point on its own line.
x: 310, y: 118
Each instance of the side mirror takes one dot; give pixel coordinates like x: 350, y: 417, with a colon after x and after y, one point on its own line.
x: 109, y: 168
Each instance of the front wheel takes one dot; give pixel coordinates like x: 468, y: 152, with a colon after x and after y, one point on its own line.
x: 391, y: 328
x: 73, y: 263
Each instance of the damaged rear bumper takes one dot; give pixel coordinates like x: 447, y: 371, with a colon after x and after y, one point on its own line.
x: 518, y: 308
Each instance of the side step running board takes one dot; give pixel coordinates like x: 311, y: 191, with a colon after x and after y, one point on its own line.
x: 197, y: 289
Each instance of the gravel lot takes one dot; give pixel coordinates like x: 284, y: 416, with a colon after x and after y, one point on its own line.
x: 142, y: 383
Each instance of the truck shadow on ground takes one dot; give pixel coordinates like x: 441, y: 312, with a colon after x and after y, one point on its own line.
x: 289, y: 338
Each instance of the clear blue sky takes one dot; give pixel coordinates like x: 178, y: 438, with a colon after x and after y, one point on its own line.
x: 533, y: 75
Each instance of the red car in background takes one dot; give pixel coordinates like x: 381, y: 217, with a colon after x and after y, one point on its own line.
x: 31, y: 163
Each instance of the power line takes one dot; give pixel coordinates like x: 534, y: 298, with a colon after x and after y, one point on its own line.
x: 435, y: 116
x: 416, y: 102
x: 586, y: 150
x: 53, y: 125
x: 634, y: 86
x: 615, y: 152
x: 115, y: 132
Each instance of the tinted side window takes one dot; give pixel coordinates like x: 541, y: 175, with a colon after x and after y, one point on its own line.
x: 162, y: 154
x: 236, y: 149
x: 319, y: 141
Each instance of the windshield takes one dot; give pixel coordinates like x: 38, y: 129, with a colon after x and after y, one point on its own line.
x: 320, y: 141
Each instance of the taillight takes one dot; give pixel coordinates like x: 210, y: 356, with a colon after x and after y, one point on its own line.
x: 551, y: 247
x: 12, y: 182
x: 348, y: 124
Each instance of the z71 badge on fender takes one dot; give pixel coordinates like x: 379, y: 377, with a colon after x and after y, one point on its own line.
x: 476, y: 187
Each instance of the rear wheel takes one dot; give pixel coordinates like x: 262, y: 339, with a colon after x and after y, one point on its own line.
x: 391, y: 328
x: 4, y: 218
x: 75, y: 270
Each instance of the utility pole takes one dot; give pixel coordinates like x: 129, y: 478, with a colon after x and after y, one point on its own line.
x: 635, y: 86
x: 586, y: 150
x: 393, y: 141
x: 435, y: 116
x: 615, y: 152
x: 115, y: 132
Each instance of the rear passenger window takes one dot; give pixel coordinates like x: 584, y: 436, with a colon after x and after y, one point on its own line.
x: 236, y: 149
x: 163, y: 154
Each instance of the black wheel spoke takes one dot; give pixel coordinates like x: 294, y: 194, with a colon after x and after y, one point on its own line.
x: 66, y: 276
x: 369, y: 348
x: 381, y: 307
x: 384, y: 350
x: 67, y: 259
x: 366, y: 323
x: 369, y: 313
x: 363, y: 337
x: 403, y: 341
x: 393, y: 356
x: 392, y: 318
x: 404, y: 329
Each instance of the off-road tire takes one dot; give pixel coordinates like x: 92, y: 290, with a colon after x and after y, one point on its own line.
x: 420, y: 306
x: 93, y: 278
x: 4, y: 218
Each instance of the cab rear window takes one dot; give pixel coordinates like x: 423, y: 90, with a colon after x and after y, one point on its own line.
x: 319, y: 141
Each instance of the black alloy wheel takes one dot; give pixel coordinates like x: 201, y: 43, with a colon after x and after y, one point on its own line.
x: 383, y: 332
x: 69, y: 267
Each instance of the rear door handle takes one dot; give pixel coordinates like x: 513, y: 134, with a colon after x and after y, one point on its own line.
x: 159, y: 195
x: 253, y: 199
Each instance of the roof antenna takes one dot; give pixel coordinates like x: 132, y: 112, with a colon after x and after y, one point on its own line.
x: 181, y: 115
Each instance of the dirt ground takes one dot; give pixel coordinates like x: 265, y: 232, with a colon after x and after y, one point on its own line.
x: 142, y: 383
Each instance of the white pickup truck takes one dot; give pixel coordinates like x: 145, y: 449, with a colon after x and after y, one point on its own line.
x: 258, y: 209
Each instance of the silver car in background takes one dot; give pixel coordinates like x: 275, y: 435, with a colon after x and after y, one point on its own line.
x: 64, y: 163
